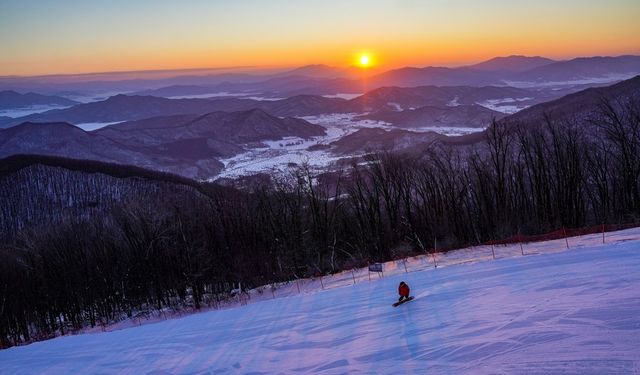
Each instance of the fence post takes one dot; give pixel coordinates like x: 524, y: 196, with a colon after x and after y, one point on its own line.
x: 520, y: 241
x: 321, y: 283
x: 435, y: 264
x: 273, y: 293
x: 404, y: 262
x: 492, y: 251
x: 298, y: 285
x: 602, y: 232
x: 564, y: 233
x: 354, y: 277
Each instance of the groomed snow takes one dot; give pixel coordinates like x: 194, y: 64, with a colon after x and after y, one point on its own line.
x: 565, y: 311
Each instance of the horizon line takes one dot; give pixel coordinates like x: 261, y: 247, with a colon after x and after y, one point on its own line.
x: 276, y: 67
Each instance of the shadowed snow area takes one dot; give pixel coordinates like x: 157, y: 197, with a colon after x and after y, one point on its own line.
x: 572, y: 312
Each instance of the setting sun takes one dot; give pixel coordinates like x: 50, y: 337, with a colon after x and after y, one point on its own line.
x: 364, y: 60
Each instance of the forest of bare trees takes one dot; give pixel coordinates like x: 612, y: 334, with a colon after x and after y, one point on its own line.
x: 81, y: 248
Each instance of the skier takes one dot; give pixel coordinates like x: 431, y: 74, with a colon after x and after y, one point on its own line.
x: 403, y: 291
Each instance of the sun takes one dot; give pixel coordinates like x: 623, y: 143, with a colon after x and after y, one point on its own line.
x: 365, y: 60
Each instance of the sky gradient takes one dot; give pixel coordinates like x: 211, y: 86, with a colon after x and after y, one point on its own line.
x: 67, y: 36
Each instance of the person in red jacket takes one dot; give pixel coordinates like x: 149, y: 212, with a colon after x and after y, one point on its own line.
x: 403, y: 291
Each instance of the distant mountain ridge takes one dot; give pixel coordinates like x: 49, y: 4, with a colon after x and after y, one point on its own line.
x: 324, y: 80
x: 413, y: 97
x: 473, y: 116
x: 189, y: 145
x: 130, y: 108
x: 11, y: 100
x: 579, y: 105
x: 512, y: 69
x: 583, y: 68
x: 379, y: 140
x: 192, y: 145
x: 237, y: 128
x: 513, y: 63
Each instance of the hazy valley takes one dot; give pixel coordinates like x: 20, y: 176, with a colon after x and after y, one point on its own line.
x: 246, y: 124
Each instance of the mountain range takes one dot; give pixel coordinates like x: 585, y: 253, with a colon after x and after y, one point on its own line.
x: 322, y: 80
x: 127, y: 108
x: 471, y: 116
x: 192, y: 137
x: 192, y: 145
x: 187, y: 145
x: 580, y: 105
x: 11, y: 100
x: 513, y: 63
x: 527, y: 71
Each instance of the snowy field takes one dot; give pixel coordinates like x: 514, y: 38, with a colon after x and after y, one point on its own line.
x: 506, y: 105
x: 556, y: 311
x: 277, y: 157
x: 346, y: 96
x: 450, y: 131
x: 91, y: 126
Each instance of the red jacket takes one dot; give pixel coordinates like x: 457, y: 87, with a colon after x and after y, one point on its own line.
x: 403, y: 290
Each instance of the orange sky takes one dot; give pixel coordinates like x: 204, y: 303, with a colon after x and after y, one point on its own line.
x: 66, y: 36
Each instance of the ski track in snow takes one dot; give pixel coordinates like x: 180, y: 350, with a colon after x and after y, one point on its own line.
x: 565, y: 311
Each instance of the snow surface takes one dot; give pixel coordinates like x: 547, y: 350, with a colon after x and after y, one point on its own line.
x: 277, y: 157
x: 451, y: 131
x: 346, y: 96
x: 90, y: 126
x: 505, y: 105
x: 454, y: 102
x: 566, y: 311
x: 397, y: 107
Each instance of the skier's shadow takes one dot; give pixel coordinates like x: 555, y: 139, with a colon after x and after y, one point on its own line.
x: 409, y: 325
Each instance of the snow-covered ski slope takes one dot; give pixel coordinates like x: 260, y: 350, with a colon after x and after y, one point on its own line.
x: 571, y: 312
